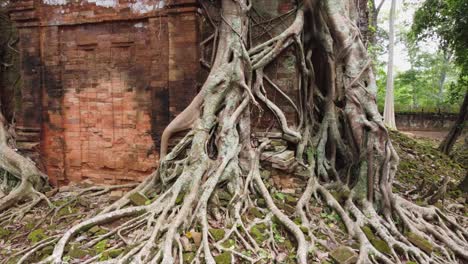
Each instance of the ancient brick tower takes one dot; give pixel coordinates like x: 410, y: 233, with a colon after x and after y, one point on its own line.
x: 100, y: 81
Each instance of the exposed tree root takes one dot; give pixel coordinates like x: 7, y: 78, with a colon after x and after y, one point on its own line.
x: 340, y: 144
x: 30, y: 179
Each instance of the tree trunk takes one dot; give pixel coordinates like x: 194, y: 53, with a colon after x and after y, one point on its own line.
x: 389, y: 107
x: 23, y: 169
x: 463, y: 186
x: 457, y: 128
x: 443, y: 76
x: 373, y: 22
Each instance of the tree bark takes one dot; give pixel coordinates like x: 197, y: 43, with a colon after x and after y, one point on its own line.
x: 463, y: 186
x: 389, y: 108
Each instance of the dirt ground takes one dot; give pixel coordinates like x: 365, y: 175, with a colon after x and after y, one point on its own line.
x: 437, y: 135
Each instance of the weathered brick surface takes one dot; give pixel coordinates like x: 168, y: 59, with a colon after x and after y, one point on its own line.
x: 102, y: 79
x: 99, y: 83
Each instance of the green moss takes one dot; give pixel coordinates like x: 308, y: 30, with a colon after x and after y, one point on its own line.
x: 258, y: 233
x: 37, y: 235
x: 111, y: 254
x: 256, y: 213
x: 67, y: 210
x: 77, y: 252
x: 368, y: 232
x: 188, y: 257
x: 381, y: 246
x: 297, y: 220
x: 138, y: 199
x: 228, y: 243
x: 420, y: 242
x: 224, y: 258
x: 4, y: 232
x: 101, y: 246
x: 291, y: 199
x: 304, y: 229
x: 378, y: 243
x: 217, y: 233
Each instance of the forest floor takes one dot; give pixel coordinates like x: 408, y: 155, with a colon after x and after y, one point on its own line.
x: 422, y: 168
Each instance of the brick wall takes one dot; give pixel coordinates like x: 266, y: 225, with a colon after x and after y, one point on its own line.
x: 101, y: 80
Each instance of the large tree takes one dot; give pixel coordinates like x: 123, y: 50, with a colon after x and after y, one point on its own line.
x: 340, y: 144
x: 445, y: 21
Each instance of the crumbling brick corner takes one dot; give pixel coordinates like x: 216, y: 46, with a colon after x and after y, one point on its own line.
x: 100, y: 81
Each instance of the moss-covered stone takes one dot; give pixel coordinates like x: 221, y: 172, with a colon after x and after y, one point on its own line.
x: 223, y: 258
x: 344, y: 255
x: 420, y: 242
x: 138, y: 199
x: 217, y: 233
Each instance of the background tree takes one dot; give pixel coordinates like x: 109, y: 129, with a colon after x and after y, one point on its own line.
x: 389, y: 108
x: 446, y: 22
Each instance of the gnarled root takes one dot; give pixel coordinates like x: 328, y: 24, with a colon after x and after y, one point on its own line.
x: 24, y: 171
x: 340, y: 143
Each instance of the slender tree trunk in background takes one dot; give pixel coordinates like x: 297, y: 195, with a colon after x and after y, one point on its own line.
x: 373, y: 22
x: 443, y: 76
x: 457, y: 128
x: 389, y: 108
